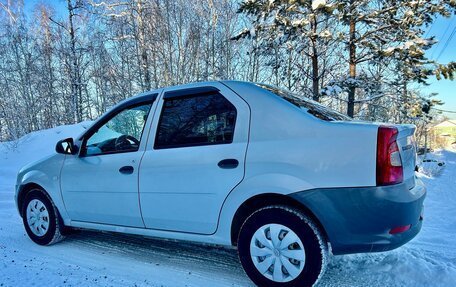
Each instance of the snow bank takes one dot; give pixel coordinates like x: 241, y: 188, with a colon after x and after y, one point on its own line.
x: 36, y: 145
x: 431, y: 167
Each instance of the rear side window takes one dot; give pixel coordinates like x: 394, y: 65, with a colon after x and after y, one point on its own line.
x: 196, y: 120
x: 312, y: 107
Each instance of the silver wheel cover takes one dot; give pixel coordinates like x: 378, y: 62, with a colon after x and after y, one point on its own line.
x: 277, y: 252
x: 37, y: 217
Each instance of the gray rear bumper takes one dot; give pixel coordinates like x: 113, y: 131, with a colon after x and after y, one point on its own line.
x: 359, y: 219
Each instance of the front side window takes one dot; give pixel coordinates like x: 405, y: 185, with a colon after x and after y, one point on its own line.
x: 122, y: 133
x: 196, y: 120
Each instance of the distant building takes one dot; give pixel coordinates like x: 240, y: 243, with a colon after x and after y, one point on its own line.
x: 445, y: 134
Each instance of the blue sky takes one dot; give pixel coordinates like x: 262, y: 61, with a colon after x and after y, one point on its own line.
x: 442, y: 28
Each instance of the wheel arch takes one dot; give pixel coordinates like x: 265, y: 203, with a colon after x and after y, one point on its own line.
x: 262, y: 200
x: 22, y: 193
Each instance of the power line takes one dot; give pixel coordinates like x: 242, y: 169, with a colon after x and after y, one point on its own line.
x: 448, y: 28
x: 445, y: 111
x: 443, y: 37
x: 447, y: 42
x: 429, y: 30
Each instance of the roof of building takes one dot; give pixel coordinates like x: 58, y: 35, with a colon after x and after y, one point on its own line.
x: 447, y: 123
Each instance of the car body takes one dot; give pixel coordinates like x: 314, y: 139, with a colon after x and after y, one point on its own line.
x: 247, y: 147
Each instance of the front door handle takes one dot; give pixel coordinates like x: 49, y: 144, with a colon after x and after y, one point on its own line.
x: 228, y: 163
x: 128, y: 169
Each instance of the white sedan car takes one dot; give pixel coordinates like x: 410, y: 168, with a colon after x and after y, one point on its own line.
x: 236, y: 164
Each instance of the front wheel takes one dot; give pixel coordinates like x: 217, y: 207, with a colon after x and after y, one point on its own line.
x: 280, y: 246
x: 41, y: 219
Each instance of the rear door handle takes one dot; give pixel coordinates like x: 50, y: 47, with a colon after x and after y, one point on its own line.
x: 228, y: 163
x: 128, y: 169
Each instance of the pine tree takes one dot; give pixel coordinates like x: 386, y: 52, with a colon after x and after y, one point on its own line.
x: 386, y: 32
x: 285, y: 27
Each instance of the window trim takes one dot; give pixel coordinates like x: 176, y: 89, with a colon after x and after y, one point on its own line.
x: 120, y: 106
x: 199, y: 93
x: 191, y: 92
x: 109, y: 116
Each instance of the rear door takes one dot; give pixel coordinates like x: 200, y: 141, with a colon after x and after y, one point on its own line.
x: 194, y: 158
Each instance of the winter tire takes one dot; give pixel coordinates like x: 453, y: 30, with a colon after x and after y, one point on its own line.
x: 279, y: 246
x: 41, y: 218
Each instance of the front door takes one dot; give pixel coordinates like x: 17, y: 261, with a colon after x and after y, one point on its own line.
x: 194, y: 158
x: 101, y: 184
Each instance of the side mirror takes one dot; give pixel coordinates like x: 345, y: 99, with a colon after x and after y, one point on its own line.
x: 66, y: 146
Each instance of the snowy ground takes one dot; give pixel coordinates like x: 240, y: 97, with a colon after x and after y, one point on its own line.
x: 102, y: 259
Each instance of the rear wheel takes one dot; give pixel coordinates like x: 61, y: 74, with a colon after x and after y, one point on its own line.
x: 41, y: 219
x: 280, y: 246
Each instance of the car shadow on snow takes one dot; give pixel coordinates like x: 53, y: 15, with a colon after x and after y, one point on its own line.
x: 351, y: 270
x: 185, y: 255
x: 406, y: 266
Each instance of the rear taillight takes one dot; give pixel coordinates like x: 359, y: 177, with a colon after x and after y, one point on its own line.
x: 389, y: 163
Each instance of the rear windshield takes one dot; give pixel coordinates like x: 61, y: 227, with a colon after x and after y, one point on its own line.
x: 310, y: 106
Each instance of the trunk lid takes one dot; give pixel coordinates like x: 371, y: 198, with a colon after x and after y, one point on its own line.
x: 407, y: 149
